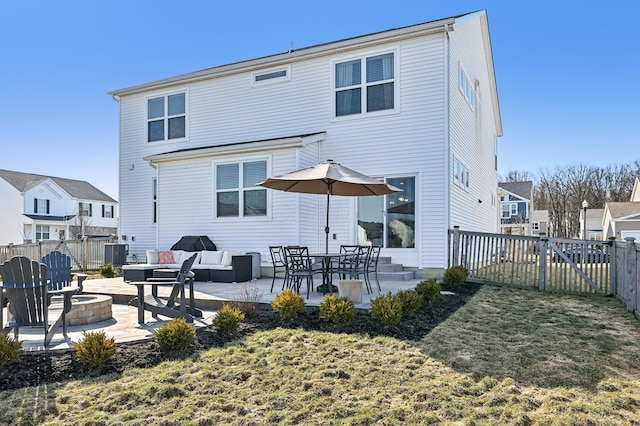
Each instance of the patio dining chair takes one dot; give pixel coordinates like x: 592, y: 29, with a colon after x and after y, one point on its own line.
x: 279, y: 262
x: 371, y: 267
x: 301, y: 266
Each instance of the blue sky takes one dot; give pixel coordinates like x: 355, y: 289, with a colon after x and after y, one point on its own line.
x: 567, y: 71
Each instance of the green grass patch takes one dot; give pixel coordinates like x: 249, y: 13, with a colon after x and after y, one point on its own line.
x: 507, y: 357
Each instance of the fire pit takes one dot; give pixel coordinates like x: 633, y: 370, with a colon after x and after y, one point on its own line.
x: 89, y: 309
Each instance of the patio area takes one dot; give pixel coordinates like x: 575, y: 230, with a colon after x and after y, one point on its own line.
x: 209, y: 296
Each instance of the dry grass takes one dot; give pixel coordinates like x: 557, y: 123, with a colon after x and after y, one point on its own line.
x: 507, y: 357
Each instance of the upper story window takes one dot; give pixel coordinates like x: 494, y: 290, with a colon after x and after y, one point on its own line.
x: 368, y: 82
x: 465, y: 87
x: 166, y: 117
x: 236, y: 192
x: 108, y: 211
x: 535, y: 226
x: 41, y: 205
x: 460, y: 174
x: 508, y: 210
x: 84, y: 209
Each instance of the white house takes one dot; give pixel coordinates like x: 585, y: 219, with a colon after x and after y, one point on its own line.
x: 415, y: 106
x: 37, y: 207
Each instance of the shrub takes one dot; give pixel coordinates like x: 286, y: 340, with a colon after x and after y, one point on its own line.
x: 410, y: 300
x: 175, y: 335
x: 386, y: 309
x: 228, y: 319
x: 247, y: 299
x: 95, y: 349
x: 429, y: 290
x: 108, y: 271
x: 455, y: 275
x: 337, y: 309
x: 288, y: 304
x: 10, y: 350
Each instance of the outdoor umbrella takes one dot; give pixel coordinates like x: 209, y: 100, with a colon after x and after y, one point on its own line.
x: 329, y: 178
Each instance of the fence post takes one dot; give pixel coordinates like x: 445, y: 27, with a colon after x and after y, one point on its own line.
x: 85, y: 253
x: 456, y: 246
x: 542, y: 256
x: 630, y: 274
x: 613, y: 262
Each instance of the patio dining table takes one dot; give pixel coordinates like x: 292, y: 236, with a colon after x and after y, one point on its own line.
x: 327, y: 266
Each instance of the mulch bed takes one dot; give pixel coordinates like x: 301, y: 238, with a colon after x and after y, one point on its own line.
x: 34, y: 369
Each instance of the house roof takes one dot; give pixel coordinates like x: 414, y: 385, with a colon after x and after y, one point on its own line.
x: 335, y: 47
x: 79, y: 189
x: 523, y: 189
x: 41, y: 217
x: 623, y: 209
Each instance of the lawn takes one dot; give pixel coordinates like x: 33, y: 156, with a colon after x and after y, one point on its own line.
x: 509, y: 356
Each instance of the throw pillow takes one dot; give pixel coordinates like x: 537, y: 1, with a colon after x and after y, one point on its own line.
x: 177, y: 254
x: 152, y: 257
x: 187, y: 254
x: 165, y: 257
x: 211, y: 258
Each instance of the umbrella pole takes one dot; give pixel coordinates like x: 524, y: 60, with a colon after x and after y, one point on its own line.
x: 326, y: 228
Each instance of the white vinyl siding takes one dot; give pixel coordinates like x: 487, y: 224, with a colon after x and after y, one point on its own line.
x: 415, y: 138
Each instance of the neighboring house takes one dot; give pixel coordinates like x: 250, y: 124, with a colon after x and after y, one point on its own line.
x: 414, y: 106
x: 37, y: 207
x: 622, y: 220
x: 516, y: 204
x: 594, y: 223
x: 541, y: 224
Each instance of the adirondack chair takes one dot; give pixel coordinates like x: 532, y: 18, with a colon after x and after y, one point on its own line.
x: 168, y: 307
x: 59, y: 271
x: 26, y: 286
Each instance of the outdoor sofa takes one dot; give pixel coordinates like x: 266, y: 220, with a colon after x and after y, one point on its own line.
x: 217, y: 266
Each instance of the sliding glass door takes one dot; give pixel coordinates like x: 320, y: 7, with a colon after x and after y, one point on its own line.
x: 389, y: 220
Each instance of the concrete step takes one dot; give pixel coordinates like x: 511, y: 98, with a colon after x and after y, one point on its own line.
x: 396, y: 276
x: 390, y: 267
x: 384, y: 259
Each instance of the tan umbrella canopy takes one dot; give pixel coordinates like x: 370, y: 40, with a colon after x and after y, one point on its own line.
x: 329, y: 178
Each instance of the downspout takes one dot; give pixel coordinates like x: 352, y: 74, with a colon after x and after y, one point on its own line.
x: 447, y: 136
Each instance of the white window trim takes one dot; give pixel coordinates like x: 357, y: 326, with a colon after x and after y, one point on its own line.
x: 166, y: 129
x: 464, y: 84
x: 240, y: 217
x: 272, y: 80
x: 363, y: 57
x: 461, y: 176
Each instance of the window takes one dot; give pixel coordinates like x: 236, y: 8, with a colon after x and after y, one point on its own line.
x: 84, y: 209
x: 377, y: 93
x: 166, y: 117
x: 505, y: 212
x: 42, y: 232
x: 40, y: 205
x: 107, y: 211
x: 460, y: 174
x: 236, y: 192
x: 535, y: 226
x: 155, y: 200
x: 465, y: 87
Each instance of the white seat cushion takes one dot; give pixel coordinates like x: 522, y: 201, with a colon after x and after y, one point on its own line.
x: 227, y: 257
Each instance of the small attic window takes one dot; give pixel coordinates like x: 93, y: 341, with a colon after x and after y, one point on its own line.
x: 275, y: 75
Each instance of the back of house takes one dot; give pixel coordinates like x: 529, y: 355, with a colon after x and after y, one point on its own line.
x: 416, y: 107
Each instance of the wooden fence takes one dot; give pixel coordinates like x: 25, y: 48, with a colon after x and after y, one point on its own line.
x: 87, y: 254
x: 550, y: 264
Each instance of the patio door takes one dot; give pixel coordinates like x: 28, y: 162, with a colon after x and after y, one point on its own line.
x: 389, y: 220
